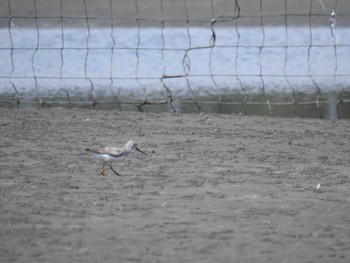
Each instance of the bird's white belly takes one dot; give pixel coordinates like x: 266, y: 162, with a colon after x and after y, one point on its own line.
x: 107, y: 157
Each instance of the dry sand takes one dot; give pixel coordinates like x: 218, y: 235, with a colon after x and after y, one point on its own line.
x: 213, y: 188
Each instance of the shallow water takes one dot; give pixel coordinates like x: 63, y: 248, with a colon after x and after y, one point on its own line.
x: 130, y: 64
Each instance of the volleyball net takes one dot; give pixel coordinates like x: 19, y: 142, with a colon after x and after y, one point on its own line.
x: 268, y: 57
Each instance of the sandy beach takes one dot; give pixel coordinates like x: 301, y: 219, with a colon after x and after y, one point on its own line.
x: 224, y: 188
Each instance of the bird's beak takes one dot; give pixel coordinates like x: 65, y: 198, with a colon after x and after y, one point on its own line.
x: 140, y: 151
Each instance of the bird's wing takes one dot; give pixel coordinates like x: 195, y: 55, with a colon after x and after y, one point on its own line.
x: 112, y: 151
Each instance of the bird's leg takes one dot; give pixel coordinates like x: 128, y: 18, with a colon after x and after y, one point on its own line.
x: 110, y: 165
x: 103, y: 169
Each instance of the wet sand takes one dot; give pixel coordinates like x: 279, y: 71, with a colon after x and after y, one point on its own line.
x: 222, y: 188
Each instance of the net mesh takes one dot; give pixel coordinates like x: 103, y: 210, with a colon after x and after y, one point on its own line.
x: 251, y: 57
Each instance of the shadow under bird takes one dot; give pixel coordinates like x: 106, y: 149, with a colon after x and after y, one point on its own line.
x: 111, y: 154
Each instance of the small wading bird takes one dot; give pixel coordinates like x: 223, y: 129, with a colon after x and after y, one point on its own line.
x: 110, y: 154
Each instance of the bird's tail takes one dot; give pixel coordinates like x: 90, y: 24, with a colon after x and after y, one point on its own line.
x: 91, y: 150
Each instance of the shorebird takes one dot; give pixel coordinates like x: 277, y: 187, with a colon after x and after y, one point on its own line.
x: 110, y: 154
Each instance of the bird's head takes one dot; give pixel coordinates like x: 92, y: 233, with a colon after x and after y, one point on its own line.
x: 131, y: 146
